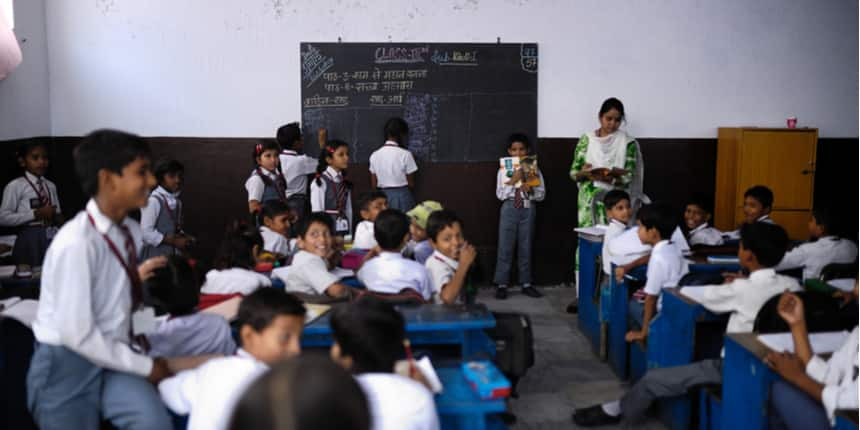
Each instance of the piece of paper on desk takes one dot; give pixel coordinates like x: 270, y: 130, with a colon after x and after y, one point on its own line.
x: 22, y: 310
x: 341, y: 273
x: 401, y: 367
x: 846, y: 284
x: 821, y: 343
x: 314, y: 311
x: 227, y: 309
x: 10, y: 241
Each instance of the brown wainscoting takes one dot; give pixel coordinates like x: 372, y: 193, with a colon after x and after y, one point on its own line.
x: 675, y: 169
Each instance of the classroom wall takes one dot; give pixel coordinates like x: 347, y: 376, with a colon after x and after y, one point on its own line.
x: 225, y: 68
x: 24, y: 110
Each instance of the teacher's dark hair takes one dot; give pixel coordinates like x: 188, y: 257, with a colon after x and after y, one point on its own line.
x: 609, y: 104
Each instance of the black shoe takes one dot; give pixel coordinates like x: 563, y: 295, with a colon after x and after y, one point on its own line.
x: 594, y: 416
x: 573, y: 307
x: 501, y: 293
x: 532, y: 292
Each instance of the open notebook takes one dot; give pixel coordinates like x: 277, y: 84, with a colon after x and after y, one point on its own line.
x: 230, y: 308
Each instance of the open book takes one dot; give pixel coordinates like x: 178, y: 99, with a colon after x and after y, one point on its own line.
x: 528, y: 165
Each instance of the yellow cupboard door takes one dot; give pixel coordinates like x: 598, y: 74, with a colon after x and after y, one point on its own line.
x: 784, y: 161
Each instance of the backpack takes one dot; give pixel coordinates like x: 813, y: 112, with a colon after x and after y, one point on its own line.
x: 514, y: 345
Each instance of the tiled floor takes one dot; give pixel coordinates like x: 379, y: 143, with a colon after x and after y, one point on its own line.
x: 566, y: 373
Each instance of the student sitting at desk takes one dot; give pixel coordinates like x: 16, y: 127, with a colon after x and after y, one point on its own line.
x: 390, y: 272
x: 452, y: 256
x: 810, y: 382
x: 762, y: 246
x: 758, y: 202
x: 309, y: 273
x: 275, y: 225
x: 666, y: 265
x: 271, y: 326
x: 369, y: 206
x: 697, y: 215
x: 234, y: 263
x: 618, y: 212
x: 825, y: 247
x: 369, y: 337
x: 184, y: 333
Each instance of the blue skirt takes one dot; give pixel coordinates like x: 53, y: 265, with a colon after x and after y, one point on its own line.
x: 399, y: 198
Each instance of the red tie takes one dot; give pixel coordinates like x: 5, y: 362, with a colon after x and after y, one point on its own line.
x: 340, y: 195
x: 131, y: 269
x: 518, y: 199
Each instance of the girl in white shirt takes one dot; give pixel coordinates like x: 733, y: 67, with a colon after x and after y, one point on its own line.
x: 234, y: 263
x: 369, y: 337
x: 266, y: 182
x: 30, y: 203
x: 330, y: 191
x: 174, y: 289
x: 161, y: 218
x: 392, y: 167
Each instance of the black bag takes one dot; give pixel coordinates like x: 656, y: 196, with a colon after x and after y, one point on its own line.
x: 514, y: 345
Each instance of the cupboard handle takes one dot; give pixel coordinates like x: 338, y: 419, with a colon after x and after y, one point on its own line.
x: 807, y: 171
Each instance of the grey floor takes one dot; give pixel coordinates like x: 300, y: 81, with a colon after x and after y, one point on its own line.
x: 566, y: 373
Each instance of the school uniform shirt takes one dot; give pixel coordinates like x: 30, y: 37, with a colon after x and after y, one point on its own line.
x: 255, y: 185
x: 507, y: 192
x: 736, y: 234
x: 149, y: 214
x: 309, y: 274
x: 422, y: 251
x: 20, y: 198
x: 665, y: 269
x: 613, y: 230
x: 680, y: 241
x: 296, y: 168
x: 234, y: 280
x: 209, y: 393
x: 626, y: 247
x: 390, y: 273
x: 391, y: 164
x: 839, y: 377
x: 398, y: 403
x: 189, y: 335
x: 744, y: 297
x: 813, y: 256
x: 441, y: 270
x: 364, y: 238
x: 318, y: 193
x: 85, y: 300
x: 276, y: 242
x: 705, y: 235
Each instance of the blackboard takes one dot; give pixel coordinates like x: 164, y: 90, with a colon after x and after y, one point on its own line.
x: 461, y: 100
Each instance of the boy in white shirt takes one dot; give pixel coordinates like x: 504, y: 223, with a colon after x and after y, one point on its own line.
x: 810, y: 381
x: 392, y: 167
x: 296, y: 167
x: 697, y: 215
x: 370, y: 205
x: 451, y: 259
x: 666, y: 265
x: 275, y: 230
x: 826, y: 246
x: 618, y: 212
x: 309, y: 273
x: 390, y: 272
x: 762, y: 246
x: 271, y: 327
x: 419, y: 246
x: 85, y: 367
x: 369, y: 337
x: 758, y: 202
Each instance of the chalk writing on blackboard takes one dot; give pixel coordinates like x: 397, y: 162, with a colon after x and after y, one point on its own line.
x: 529, y: 58
x: 314, y: 64
x: 400, y: 55
x: 318, y: 101
x: 455, y: 58
x: 418, y: 112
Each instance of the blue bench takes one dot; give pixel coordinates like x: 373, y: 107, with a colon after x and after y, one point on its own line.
x: 460, y: 408
x: 590, y: 249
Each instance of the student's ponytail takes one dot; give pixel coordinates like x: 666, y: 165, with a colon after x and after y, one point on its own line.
x: 327, y: 151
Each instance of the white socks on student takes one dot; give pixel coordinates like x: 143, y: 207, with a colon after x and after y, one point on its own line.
x: 613, y: 408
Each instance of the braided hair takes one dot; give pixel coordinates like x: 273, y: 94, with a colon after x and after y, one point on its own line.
x: 328, y: 152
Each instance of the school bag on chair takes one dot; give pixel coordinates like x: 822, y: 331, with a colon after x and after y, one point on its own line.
x: 514, y: 345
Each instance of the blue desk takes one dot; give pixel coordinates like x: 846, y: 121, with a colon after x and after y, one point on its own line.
x: 460, y: 408
x: 428, y: 325
x: 614, y: 302
x: 590, y: 250
x: 746, y: 383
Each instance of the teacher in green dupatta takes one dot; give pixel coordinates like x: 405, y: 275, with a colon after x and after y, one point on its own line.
x: 605, y: 159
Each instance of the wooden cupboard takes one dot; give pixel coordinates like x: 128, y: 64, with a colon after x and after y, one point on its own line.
x: 782, y: 159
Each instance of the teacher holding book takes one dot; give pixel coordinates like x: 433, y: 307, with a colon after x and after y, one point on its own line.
x: 605, y: 159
